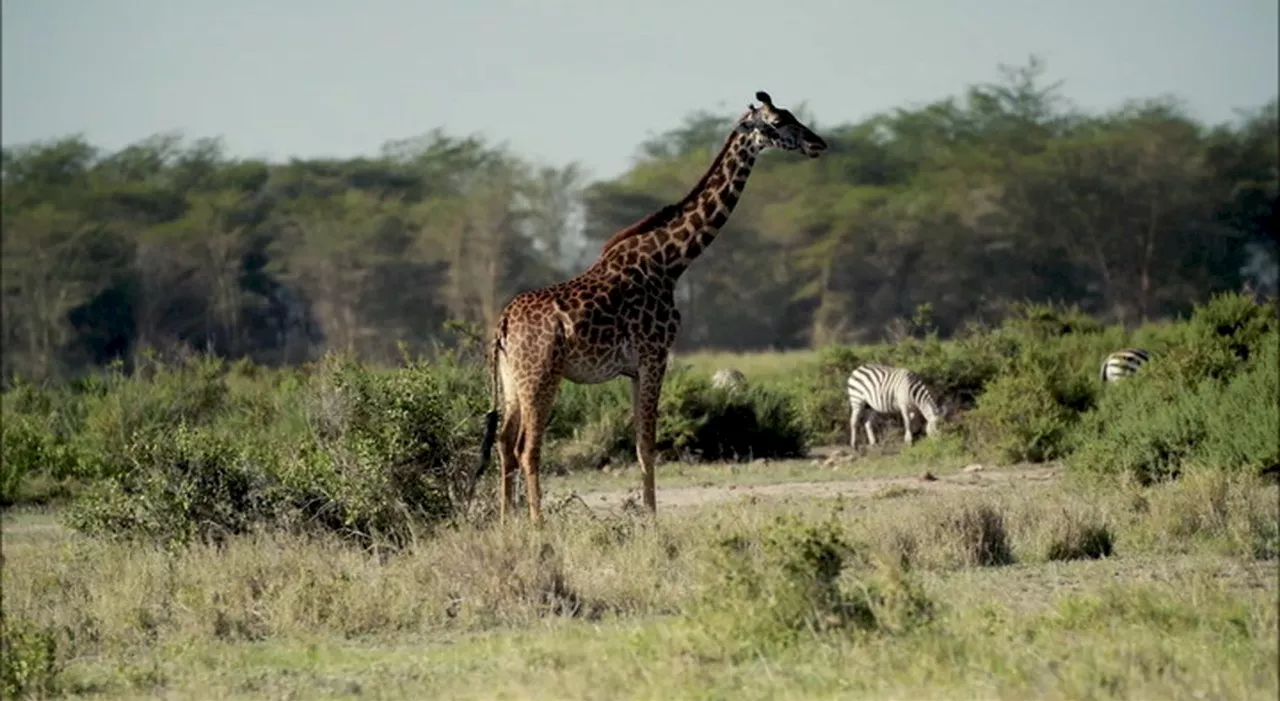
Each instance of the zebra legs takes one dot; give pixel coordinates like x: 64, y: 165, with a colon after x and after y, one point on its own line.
x: 906, y: 422
x: 855, y: 414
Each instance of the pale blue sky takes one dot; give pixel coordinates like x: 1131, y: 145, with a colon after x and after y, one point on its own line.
x: 582, y: 80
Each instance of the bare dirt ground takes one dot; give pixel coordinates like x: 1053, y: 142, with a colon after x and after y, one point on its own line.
x: 857, y: 487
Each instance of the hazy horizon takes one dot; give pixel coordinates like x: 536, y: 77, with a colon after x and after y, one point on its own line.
x: 580, y: 81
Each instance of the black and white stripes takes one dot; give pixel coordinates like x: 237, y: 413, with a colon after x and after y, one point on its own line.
x: 1123, y: 363
x: 885, y: 389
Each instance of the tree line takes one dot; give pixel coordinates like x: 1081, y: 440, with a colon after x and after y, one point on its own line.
x: 941, y: 214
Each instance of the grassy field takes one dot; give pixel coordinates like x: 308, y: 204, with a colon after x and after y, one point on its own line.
x: 208, y: 529
x: 1016, y: 588
x: 770, y: 368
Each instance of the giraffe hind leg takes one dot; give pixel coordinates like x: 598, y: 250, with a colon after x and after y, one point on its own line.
x: 509, y: 444
x: 535, y: 409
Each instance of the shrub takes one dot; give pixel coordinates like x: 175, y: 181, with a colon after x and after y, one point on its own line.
x: 1222, y: 336
x: 977, y: 533
x: 695, y: 421
x: 37, y: 430
x: 30, y: 660
x: 1046, y: 321
x: 1149, y: 428
x: 956, y: 372
x: 385, y: 448
x: 758, y: 594
x: 578, y: 406
x: 1073, y: 537
x: 366, y: 453
x: 1026, y: 414
x: 1033, y: 338
x: 190, y: 484
x: 30, y: 448
x: 120, y: 409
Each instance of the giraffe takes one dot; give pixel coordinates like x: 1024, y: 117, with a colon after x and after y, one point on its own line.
x: 618, y: 317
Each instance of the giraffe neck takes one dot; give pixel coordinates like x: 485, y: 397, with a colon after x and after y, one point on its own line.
x: 710, y: 205
x: 672, y: 238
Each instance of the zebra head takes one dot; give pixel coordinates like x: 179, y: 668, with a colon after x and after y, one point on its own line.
x: 948, y: 411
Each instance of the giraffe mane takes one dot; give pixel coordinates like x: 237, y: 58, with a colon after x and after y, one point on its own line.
x: 668, y: 213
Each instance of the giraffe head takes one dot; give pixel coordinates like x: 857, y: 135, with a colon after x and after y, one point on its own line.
x: 775, y: 127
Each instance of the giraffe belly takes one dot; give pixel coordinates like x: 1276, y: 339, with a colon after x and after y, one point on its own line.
x: 586, y: 368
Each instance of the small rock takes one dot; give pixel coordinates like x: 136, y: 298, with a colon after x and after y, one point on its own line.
x: 976, y: 467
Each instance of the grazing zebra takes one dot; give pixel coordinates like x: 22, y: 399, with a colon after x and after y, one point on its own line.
x: 887, y: 389
x: 729, y: 378
x: 1123, y: 363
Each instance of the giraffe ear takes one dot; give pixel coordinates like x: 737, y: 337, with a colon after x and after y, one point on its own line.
x: 764, y: 97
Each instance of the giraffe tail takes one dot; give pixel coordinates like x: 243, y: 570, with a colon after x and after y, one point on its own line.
x: 490, y: 419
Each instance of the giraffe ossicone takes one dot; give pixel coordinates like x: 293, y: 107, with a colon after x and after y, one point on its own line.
x: 617, y: 318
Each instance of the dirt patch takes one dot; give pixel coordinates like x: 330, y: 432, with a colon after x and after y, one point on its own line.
x: 672, y: 497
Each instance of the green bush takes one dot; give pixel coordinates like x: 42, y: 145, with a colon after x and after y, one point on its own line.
x: 1026, y: 414
x: 956, y: 371
x: 188, y: 484
x: 344, y: 446
x: 1047, y: 321
x: 695, y: 422
x: 797, y: 579
x: 30, y: 660
x: 119, y: 409
x: 37, y: 428
x: 959, y: 370
x: 30, y: 449
x: 386, y: 447
x: 1150, y: 428
x: 363, y: 452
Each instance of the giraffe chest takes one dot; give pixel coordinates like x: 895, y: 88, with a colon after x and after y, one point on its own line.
x: 615, y: 329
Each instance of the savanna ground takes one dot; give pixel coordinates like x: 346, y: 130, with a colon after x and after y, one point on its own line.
x: 1007, y: 583
x: 199, y: 539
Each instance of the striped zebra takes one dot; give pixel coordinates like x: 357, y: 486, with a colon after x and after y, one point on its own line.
x: 884, y: 390
x: 729, y: 379
x: 1123, y: 363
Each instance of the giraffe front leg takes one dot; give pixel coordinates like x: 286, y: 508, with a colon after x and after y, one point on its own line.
x: 646, y: 388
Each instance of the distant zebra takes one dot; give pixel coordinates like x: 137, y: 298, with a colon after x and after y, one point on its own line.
x: 729, y: 378
x: 1123, y: 363
x: 886, y: 389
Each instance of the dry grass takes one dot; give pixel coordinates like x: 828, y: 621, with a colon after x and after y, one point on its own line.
x: 1029, y: 603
